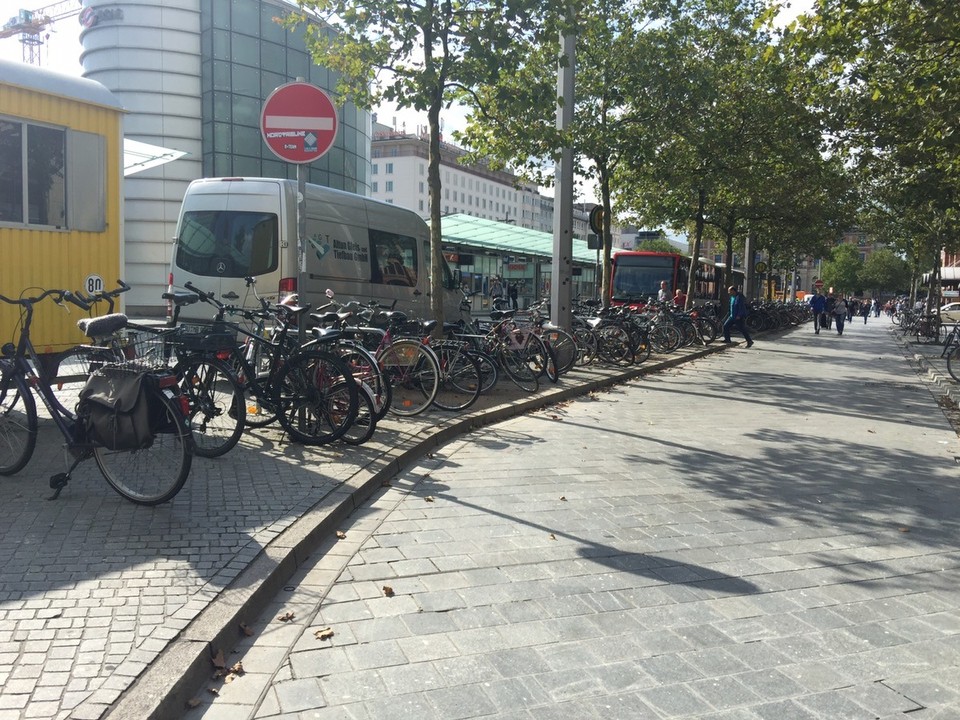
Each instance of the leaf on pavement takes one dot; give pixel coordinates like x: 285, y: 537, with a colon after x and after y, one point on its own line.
x: 246, y: 629
x: 213, y: 691
x: 341, y: 534
x: 429, y: 498
x: 388, y: 591
x: 323, y: 633
x: 237, y: 668
x: 552, y: 536
x: 218, y: 660
x: 563, y: 497
x: 286, y: 617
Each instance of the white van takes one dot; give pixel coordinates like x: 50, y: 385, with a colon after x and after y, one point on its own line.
x: 362, y: 249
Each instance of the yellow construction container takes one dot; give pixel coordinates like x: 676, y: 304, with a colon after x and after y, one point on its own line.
x: 61, y: 199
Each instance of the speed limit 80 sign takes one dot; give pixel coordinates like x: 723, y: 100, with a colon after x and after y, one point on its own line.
x: 93, y: 284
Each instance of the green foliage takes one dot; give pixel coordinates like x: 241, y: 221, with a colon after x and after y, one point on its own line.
x: 885, y: 271
x: 843, y: 270
x: 889, y: 82
x: 422, y: 54
x: 658, y: 245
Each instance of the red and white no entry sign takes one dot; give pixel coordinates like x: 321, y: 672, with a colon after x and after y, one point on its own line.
x: 818, y: 283
x: 298, y: 122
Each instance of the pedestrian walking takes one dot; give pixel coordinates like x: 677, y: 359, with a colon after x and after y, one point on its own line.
x: 840, y: 314
x: 828, y: 310
x: 496, y: 288
x: 514, y: 292
x: 865, y: 310
x: 737, y: 317
x: 818, y: 303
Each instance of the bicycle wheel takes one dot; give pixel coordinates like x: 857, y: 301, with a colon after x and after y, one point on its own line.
x: 664, y: 338
x: 953, y: 363
x: 18, y: 423
x: 363, y: 427
x: 614, y: 345
x: 643, y: 349
x: 366, y: 370
x: 217, y: 406
x: 515, y: 365
x: 708, y: 330
x: 540, y: 357
x: 488, y: 369
x: 154, y: 474
x: 564, y: 348
x: 586, y: 341
x: 259, y: 406
x: 414, y: 373
x: 316, y: 397
x: 460, y: 378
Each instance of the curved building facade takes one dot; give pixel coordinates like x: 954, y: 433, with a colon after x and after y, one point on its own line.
x: 193, y: 76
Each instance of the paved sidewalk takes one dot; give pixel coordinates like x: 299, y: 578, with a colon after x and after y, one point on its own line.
x: 98, y: 595
x: 757, y: 535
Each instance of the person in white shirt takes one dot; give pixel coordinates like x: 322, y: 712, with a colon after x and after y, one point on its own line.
x: 663, y: 294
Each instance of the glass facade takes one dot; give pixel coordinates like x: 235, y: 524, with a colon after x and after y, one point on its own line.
x: 246, y: 55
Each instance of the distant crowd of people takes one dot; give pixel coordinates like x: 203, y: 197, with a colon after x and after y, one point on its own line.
x: 837, y: 310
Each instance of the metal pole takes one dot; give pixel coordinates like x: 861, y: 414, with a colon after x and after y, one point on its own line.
x: 562, y: 275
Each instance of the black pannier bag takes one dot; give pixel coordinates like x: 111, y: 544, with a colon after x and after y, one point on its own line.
x: 115, y: 408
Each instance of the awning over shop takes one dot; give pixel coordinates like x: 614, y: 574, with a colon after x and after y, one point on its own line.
x: 139, y: 156
x: 506, y: 239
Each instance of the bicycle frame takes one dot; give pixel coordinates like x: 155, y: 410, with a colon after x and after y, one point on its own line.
x: 39, y: 380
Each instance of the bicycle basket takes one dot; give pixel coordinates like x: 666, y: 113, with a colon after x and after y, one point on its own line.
x: 147, y: 347
x: 205, y: 338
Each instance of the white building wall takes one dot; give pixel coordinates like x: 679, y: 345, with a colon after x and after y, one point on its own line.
x: 155, y: 73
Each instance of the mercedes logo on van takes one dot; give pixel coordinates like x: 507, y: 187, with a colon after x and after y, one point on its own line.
x: 221, y: 267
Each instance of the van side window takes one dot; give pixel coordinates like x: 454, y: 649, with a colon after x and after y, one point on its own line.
x: 393, y: 259
x: 224, y: 243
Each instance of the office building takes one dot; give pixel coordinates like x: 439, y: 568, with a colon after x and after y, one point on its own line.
x: 193, y: 75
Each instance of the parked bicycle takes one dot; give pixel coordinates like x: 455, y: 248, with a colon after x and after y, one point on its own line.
x: 130, y: 418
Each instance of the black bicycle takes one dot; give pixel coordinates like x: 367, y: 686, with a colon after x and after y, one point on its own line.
x: 130, y: 418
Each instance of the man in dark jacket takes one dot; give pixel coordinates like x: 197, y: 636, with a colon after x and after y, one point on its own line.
x: 737, y: 317
x: 818, y: 303
x: 828, y: 309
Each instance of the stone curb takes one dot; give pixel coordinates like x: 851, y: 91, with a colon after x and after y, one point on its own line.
x: 168, y: 683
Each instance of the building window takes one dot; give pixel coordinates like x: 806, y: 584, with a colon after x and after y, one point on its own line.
x: 389, y: 169
x: 375, y: 185
x: 43, y: 177
x: 375, y: 170
x: 421, y: 188
x: 388, y: 186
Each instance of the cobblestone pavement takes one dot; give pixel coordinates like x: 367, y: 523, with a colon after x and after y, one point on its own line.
x: 759, y: 534
x: 95, y: 591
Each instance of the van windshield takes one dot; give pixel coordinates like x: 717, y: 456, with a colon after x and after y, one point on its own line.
x: 227, y: 243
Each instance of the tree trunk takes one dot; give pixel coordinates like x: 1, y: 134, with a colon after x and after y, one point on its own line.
x: 697, y: 243
x: 436, y: 231
x: 607, y: 237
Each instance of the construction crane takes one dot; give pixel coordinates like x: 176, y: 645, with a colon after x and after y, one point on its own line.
x: 30, y: 25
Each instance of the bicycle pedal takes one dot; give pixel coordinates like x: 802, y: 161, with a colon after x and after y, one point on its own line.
x: 59, y: 481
